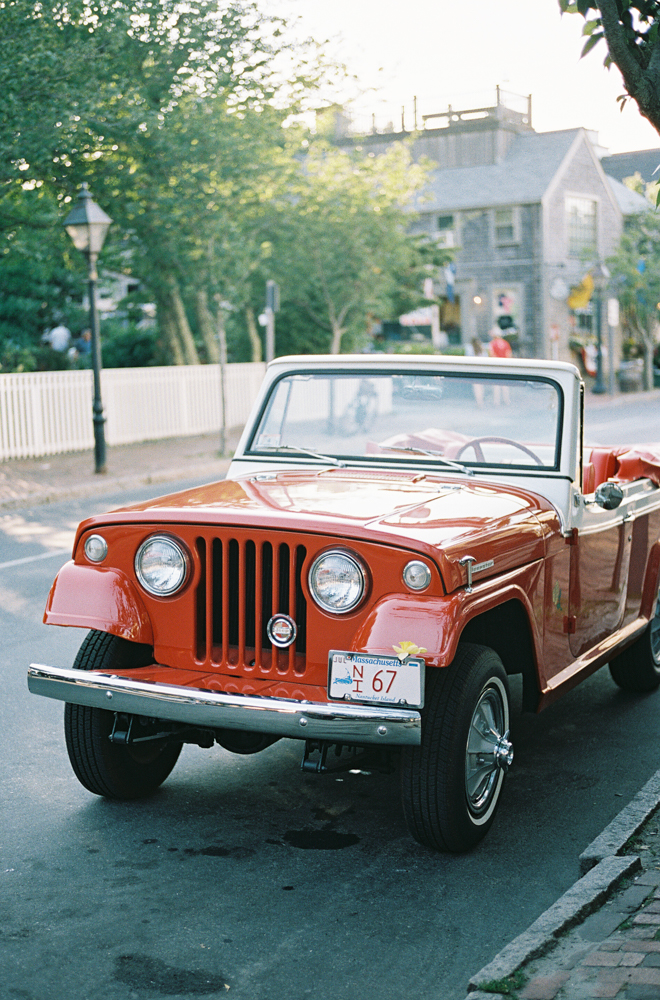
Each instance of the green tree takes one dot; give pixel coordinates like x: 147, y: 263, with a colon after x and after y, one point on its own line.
x: 340, y: 236
x: 635, y: 271
x: 40, y: 282
x: 173, y: 113
x: 426, y: 259
x: 629, y: 28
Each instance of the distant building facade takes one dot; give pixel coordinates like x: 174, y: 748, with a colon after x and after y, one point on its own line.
x: 528, y: 213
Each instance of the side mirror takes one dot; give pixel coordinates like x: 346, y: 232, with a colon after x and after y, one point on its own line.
x: 608, y: 495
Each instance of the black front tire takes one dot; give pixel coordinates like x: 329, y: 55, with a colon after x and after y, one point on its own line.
x: 105, y: 768
x: 452, y: 782
x: 637, y: 669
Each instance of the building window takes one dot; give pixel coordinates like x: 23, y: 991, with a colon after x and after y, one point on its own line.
x: 581, y: 224
x: 506, y: 226
x: 445, y: 230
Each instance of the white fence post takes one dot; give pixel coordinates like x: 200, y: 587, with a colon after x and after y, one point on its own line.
x: 45, y: 413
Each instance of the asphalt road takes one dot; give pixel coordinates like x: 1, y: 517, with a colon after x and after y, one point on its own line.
x: 246, y: 877
x: 623, y: 422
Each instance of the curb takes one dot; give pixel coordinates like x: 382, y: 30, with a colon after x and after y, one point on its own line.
x: 619, y: 398
x: 624, y: 826
x: 604, y: 871
x: 579, y: 901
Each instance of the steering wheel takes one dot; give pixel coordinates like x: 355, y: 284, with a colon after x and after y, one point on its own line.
x: 478, y: 441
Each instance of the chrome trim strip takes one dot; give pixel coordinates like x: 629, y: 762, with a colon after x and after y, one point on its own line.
x: 336, y: 722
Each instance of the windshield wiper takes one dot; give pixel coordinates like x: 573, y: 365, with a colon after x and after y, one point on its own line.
x: 305, y: 451
x: 431, y: 454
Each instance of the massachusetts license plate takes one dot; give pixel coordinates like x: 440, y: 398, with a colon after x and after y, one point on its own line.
x: 376, y: 680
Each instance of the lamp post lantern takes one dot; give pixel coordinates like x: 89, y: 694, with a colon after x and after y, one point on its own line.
x: 601, y: 276
x: 87, y: 225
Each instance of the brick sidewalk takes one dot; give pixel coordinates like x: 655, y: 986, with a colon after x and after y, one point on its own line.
x: 614, y: 953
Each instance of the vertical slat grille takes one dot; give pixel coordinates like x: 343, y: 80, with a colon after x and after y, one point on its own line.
x: 246, y: 582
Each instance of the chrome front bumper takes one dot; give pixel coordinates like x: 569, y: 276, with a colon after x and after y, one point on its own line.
x: 336, y: 722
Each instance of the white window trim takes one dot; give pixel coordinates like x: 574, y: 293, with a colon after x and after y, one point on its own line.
x: 447, y: 237
x: 592, y: 197
x: 517, y: 226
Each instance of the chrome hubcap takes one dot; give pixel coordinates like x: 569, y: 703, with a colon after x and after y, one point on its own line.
x: 504, y: 752
x: 489, y: 752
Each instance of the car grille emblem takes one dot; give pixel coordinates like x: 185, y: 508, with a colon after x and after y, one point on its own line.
x: 281, y: 631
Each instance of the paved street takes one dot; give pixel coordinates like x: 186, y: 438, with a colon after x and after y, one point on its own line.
x: 244, y: 876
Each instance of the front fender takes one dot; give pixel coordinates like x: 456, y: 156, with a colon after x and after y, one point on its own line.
x: 402, y: 618
x: 436, y: 623
x: 103, y: 599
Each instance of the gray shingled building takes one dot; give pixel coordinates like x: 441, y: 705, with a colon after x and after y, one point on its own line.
x: 528, y: 213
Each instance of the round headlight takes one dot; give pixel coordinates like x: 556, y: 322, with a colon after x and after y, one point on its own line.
x: 337, y: 582
x: 96, y: 548
x: 417, y: 575
x: 161, y: 565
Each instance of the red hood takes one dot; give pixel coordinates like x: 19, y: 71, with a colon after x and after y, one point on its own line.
x: 445, y: 518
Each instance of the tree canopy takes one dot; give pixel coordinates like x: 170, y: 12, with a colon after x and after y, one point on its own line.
x: 184, y: 120
x: 341, y: 246
x: 629, y: 28
x: 635, y: 272
x: 173, y: 113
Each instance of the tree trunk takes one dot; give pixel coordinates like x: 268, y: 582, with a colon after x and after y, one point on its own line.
x: 167, y: 326
x: 191, y: 357
x: 253, y: 334
x: 207, y: 327
x: 648, y: 344
x: 640, y: 82
x: 337, y: 334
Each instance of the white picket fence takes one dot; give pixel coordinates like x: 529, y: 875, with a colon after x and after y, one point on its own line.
x: 45, y: 413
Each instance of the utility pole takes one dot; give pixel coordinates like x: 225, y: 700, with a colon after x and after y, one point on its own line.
x: 222, y: 346
x: 272, y: 306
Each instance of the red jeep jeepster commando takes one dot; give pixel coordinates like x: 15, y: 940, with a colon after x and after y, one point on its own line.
x: 395, y: 537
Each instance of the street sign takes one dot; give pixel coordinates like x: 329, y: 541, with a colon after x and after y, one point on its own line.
x: 612, y: 312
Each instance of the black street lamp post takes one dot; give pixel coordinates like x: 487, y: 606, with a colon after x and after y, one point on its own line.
x: 87, y: 225
x: 601, y: 276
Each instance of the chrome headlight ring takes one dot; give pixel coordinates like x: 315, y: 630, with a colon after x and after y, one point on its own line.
x: 416, y: 575
x: 337, y: 581
x: 95, y: 548
x: 162, y: 565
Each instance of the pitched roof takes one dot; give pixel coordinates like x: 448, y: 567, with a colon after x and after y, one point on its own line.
x: 642, y: 161
x: 630, y: 202
x: 522, y: 177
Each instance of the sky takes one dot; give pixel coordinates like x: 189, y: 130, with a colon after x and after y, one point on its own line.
x: 447, y: 52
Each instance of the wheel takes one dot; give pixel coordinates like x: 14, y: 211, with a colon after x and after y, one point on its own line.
x: 478, y: 441
x: 451, y: 784
x: 105, y: 768
x: 637, y: 669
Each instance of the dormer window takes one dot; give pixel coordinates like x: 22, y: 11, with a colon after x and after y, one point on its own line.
x: 445, y: 230
x: 506, y: 226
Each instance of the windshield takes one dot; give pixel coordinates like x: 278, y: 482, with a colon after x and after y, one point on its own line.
x: 447, y: 419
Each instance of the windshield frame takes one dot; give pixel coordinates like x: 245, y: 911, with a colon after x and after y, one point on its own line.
x: 412, y: 460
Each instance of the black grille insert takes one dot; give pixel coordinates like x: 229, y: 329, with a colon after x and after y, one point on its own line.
x: 247, y: 581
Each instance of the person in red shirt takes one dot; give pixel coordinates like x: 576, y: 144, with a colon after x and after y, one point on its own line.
x: 499, y: 348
